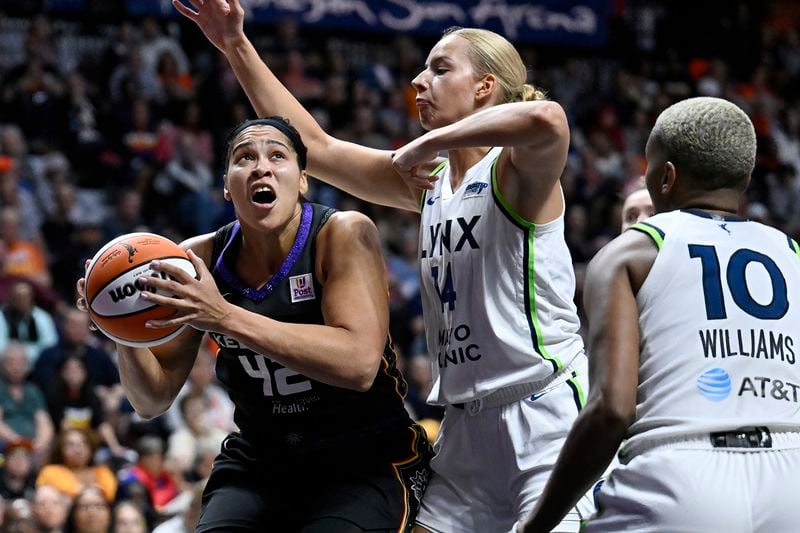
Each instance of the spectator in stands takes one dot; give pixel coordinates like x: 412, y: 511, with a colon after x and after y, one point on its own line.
x: 126, y: 216
x: 150, y: 473
x: 153, y: 47
x: 50, y: 509
x: 91, y: 512
x: 23, y: 321
x: 43, y: 296
x: 18, y: 517
x: 73, y: 403
x: 17, y: 477
x: 23, y: 412
x: 71, y: 467
x: 187, y: 520
x: 127, y: 517
x: 183, y: 189
x: 16, y: 196
x: 186, y: 443
x: 76, y: 341
x: 24, y: 257
x: 202, y: 377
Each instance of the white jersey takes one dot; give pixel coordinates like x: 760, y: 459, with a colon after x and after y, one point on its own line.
x: 497, y: 291
x: 719, y: 323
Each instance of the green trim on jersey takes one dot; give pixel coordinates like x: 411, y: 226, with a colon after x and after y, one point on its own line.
x: 507, y: 209
x: 796, y: 247
x: 529, y: 229
x: 577, y: 390
x: 424, y: 193
x: 651, y: 231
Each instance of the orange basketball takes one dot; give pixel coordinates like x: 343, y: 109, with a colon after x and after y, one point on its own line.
x: 113, y: 291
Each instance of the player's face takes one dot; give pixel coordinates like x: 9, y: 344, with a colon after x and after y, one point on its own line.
x: 447, y: 87
x: 263, y: 180
x: 637, y: 207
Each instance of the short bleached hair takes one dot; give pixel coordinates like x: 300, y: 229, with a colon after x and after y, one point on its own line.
x: 710, y: 140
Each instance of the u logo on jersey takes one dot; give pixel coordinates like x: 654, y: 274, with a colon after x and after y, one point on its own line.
x: 301, y: 288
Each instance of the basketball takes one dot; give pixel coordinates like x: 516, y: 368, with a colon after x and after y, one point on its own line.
x: 113, y: 292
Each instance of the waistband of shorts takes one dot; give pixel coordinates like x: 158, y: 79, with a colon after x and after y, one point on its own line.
x: 514, y: 393
x: 772, y: 439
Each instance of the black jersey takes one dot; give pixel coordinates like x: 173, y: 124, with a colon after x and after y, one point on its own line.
x: 276, y: 408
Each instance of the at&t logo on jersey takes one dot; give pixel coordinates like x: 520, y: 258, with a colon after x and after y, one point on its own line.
x: 301, y: 288
x: 714, y: 384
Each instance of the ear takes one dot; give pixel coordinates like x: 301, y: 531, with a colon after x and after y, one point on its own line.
x: 668, y: 179
x: 303, y: 182
x: 225, y: 192
x: 485, y: 87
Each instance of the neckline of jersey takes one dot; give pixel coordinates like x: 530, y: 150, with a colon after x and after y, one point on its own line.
x: 258, y: 295
x: 446, y: 178
x: 713, y: 216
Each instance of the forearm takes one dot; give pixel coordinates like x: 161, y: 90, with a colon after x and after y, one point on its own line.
x: 44, y: 428
x: 594, y: 439
x: 514, y: 124
x: 331, y: 355
x: 148, y: 385
x: 361, y: 171
x: 109, y: 437
x: 6, y: 433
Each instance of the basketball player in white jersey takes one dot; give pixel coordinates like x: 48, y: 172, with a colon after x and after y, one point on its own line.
x: 694, y: 328
x: 497, y: 278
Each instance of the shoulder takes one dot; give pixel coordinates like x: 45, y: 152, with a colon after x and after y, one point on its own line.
x: 54, y: 470
x: 348, y: 227
x: 347, y: 236
x: 201, y: 245
x: 632, y: 253
x: 32, y: 390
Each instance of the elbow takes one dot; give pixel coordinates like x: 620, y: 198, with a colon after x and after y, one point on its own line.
x: 547, y: 116
x: 364, y: 377
x: 150, y: 411
x: 616, y: 416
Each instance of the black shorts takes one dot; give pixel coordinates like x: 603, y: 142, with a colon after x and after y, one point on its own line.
x: 334, y: 496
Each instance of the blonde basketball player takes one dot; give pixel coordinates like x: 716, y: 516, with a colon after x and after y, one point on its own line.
x: 497, y: 278
x: 694, y: 322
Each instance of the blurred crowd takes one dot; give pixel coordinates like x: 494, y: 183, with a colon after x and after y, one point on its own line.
x: 109, y: 128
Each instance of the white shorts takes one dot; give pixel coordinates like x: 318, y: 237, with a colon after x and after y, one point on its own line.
x: 491, y: 466
x: 692, y: 490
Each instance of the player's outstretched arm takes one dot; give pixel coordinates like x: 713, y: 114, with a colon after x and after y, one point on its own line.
x: 536, y: 135
x: 612, y: 281
x: 346, y: 351
x: 361, y: 171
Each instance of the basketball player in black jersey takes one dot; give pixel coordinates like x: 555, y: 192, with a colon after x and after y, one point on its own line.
x: 295, y: 294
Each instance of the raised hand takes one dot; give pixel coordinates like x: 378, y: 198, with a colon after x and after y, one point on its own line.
x: 197, y: 300
x: 222, y: 21
x: 414, y: 161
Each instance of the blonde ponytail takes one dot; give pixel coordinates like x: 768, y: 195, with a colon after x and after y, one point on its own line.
x: 529, y: 93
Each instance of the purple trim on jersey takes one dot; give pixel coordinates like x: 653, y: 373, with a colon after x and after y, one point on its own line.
x: 258, y: 295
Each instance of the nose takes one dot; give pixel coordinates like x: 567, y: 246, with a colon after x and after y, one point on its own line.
x: 418, y: 83
x: 260, y: 169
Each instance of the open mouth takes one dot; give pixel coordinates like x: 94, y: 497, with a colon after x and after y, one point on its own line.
x: 263, y: 196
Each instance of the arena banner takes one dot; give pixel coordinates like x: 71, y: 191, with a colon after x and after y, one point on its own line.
x: 579, y: 23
